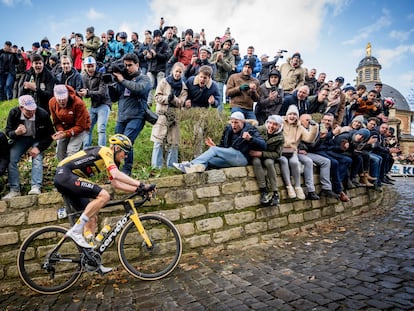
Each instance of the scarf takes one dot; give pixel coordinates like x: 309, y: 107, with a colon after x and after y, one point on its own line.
x: 176, y: 85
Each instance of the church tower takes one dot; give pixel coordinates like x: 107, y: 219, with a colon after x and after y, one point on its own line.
x: 368, y: 69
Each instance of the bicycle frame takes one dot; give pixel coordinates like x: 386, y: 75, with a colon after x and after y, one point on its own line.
x: 130, y: 213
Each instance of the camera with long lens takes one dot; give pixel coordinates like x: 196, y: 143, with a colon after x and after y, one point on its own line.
x: 113, y: 67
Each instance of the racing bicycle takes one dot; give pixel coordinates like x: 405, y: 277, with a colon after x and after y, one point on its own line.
x: 149, y: 248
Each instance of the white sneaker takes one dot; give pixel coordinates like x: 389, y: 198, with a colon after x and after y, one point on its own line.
x: 12, y: 194
x: 291, y: 192
x: 299, y: 193
x: 195, y: 168
x: 182, y: 166
x: 78, y: 238
x: 34, y: 190
x: 103, y: 270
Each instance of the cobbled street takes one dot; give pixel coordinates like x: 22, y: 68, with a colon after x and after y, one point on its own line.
x: 365, y: 262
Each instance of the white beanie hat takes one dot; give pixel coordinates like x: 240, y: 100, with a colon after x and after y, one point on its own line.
x: 293, y: 109
x: 277, y: 119
x: 237, y: 115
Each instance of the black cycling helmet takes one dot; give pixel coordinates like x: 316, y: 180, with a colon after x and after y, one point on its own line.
x: 122, y: 141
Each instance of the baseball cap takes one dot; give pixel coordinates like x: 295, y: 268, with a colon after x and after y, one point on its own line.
x: 27, y: 102
x: 60, y: 91
x: 89, y: 60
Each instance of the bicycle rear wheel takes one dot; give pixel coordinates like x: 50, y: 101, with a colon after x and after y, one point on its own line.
x: 45, y: 270
x: 150, y: 263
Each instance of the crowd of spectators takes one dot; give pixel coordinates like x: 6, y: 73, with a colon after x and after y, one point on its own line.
x: 340, y: 127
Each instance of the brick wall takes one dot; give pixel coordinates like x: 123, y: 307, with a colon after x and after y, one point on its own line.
x: 217, y: 208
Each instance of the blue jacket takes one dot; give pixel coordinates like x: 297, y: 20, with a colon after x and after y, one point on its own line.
x: 132, y: 96
x: 292, y: 99
x: 236, y: 141
x: 199, y: 96
x: 257, y: 67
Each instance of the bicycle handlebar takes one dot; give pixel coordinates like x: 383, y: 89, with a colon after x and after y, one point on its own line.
x: 146, y: 193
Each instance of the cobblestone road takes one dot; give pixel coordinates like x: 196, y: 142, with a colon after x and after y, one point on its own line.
x: 361, y: 263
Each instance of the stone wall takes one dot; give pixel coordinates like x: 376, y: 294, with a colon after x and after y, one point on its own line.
x: 217, y: 208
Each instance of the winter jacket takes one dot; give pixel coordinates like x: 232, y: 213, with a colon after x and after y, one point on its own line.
x: 224, y: 66
x: 43, y: 125
x: 131, y: 95
x: 199, y: 96
x: 91, y: 46
x: 292, y: 99
x: 292, y: 77
x: 97, y: 89
x: 265, y: 106
x: 274, y: 143
x: 45, y: 81
x: 239, y: 143
x: 242, y: 99
x: 74, y: 118
x: 294, y: 133
x: 158, y: 63
x: 72, y: 78
x: 257, y: 67
x: 8, y: 62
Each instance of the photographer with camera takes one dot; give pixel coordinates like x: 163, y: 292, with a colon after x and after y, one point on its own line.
x: 186, y: 49
x: 267, y: 66
x: 131, y: 91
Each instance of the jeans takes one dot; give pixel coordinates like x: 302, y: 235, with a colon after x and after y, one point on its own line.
x: 222, y: 100
x: 99, y: 115
x: 130, y: 128
x: 261, y: 167
x: 6, y: 86
x: 375, y: 167
x: 157, y: 159
x: 70, y: 145
x: 19, y: 147
x: 294, y: 165
x: 220, y: 157
x: 248, y: 114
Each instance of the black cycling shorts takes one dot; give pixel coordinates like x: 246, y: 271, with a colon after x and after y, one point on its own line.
x: 75, y: 188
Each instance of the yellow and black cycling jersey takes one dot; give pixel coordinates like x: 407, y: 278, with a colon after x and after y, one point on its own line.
x: 90, y: 162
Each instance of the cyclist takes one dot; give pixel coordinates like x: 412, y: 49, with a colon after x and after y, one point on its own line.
x: 71, y: 181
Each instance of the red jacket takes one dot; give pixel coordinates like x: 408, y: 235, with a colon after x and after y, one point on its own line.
x: 74, y: 118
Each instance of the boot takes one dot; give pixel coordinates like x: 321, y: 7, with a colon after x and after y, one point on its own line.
x: 370, y: 178
x: 364, y: 180
x: 275, y: 199
x: 264, y: 197
x: 350, y: 184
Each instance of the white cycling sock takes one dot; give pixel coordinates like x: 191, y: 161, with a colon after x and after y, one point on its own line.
x: 78, y: 226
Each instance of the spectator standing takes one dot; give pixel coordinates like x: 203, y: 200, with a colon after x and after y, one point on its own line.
x: 77, y: 51
x: 143, y: 52
x: 131, y: 92
x: 185, y: 50
x: 311, y: 81
x: 38, y: 82
x: 242, y: 88
x: 91, y: 46
x: 157, y: 57
x: 124, y: 47
x: 271, y: 97
x: 71, y: 120
x: 250, y: 55
x: 69, y: 75
x: 170, y: 95
x: 267, y: 66
x: 293, y: 74
x: 8, y: 62
x: 29, y: 128
x: 97, y: 91
x: 135, y: 41
x: 224, y: 61
x: 202, y: 59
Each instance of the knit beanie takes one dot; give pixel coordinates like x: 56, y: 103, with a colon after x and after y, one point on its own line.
x: 292, y: 109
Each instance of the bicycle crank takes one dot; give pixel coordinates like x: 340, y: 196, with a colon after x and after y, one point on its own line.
x: 90, y: 260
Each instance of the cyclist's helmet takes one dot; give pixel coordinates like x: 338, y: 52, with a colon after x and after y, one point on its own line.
x: 122, y: 141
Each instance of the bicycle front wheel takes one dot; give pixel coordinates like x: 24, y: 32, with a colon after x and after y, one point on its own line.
x: 150, y: 263
x: 48, y: 264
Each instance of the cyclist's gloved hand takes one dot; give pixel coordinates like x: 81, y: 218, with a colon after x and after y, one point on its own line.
x: 143, y: 188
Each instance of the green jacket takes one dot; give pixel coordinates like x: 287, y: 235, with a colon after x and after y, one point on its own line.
x: 274, y: 143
